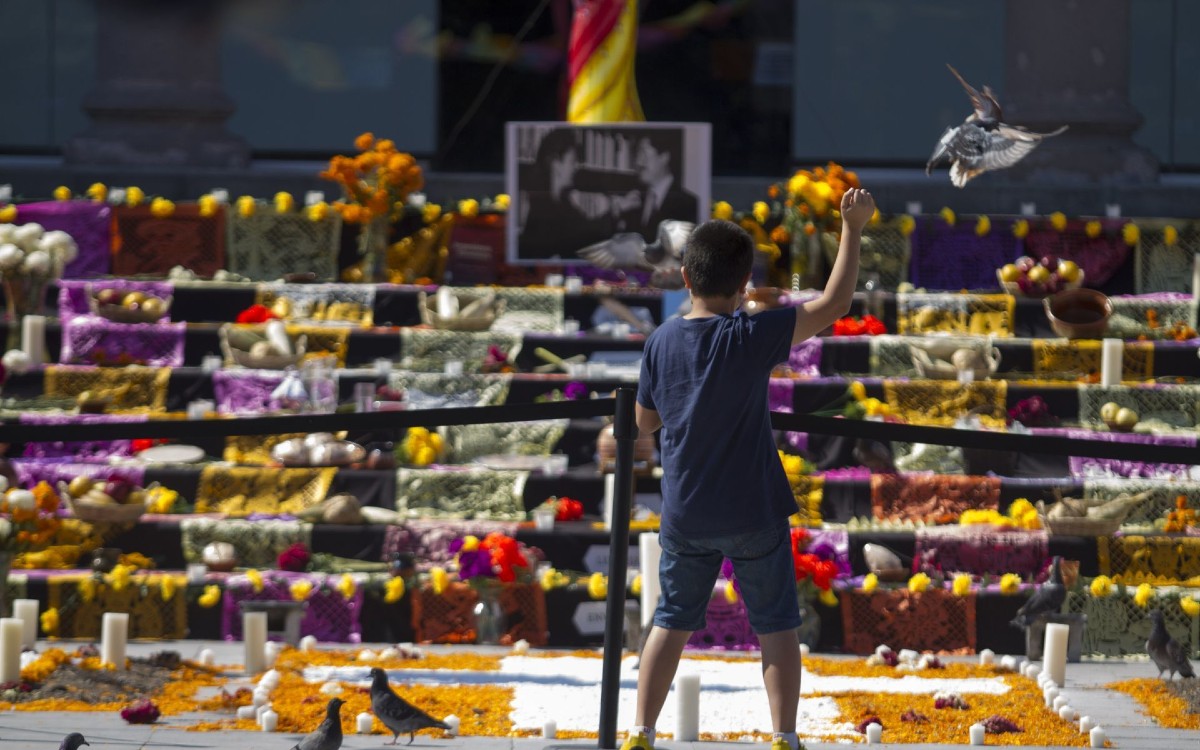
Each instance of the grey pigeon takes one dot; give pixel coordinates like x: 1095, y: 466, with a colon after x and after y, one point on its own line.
x: 983, y: 142
x: 72, y: 741
x: 328, y: 736
x: 1166, y: 652
x: 1047, y: 599
x: 664, y: 256
x: 397, y: 714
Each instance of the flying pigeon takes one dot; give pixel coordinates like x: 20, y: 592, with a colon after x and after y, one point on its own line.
x: 1166, y: 652
x: 397, y: 714
x: 72, y: 742
x: 664, y: 256
x: 983, y: 142
x: 328, y: 736
x: 1047, y: 599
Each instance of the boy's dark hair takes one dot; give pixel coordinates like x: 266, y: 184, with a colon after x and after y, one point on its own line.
x: 718, y: 257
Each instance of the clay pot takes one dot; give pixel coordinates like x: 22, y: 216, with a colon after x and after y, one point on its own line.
x: 1079, y: 313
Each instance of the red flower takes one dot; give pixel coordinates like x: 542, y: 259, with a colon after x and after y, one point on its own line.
x: 256, y: 314
x: 141, y: 712
x: 295, y: 558
x: 873, y: 325
x: 568, y: 510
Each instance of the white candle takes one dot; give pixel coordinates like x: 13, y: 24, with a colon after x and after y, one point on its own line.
x: 574, y: 284
x: 33, y: 338
x: 1196, y: 275
x: 549, y: 730
x: 1112, y: 210
x: 308, y: 643
x: 269, y: 720
x: 1085, y: 724
x: 114, y: 634
x: 570, y: 327
x: 116, y: 196
x: 1066, y: 713
x: 260, y: 711
x: 211, y: 363
x: 687, y: 708
x: 26, y: 610
x: 270, y: 678
x: 416, y: 200
x: 254, y: 638
x: 1097, y: 737
x: 874, y: 733
x: 1028, y: 209
x: 270, y: 653
x: 220, y: 195
x: 1050, y: 694
x: 1055, y: 651
x: 554, y: 279
x: 247, y: 712
x: 913, y: 208
x: 197, y: 573
x: 259, y: 698
x: 5, y: 193
x: 1009, y: 663
x: 977, y: 733
x: 1060, y: 700
x: 207, y: 657
x: 803, y: 651
x: 447, y: 303
x: 313, y: 197
x: 452, y: 722
x: 363, y: 722
x: 383, y: 367
x: 649, y: 555
x: 987, y: 657
x: 610, y: 488
x: 11, y: 632
x: 1112, y: 362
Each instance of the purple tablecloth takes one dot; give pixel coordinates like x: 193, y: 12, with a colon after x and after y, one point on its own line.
x: 88, y: 223
x: 950, y: 258
x: 90, y: 339
x: 88, y: 450
x: 73, y: 295
x: 246, y: 391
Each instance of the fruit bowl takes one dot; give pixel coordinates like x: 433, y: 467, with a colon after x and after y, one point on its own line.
x: 1037, y: 279
x: 148, y: 310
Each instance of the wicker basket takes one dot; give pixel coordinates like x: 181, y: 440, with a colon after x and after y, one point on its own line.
x: 235, y: 347
x: 1080, y: 526
x: 931, y: 358
x: 121, y: 314
x: 1011, y: 287
x: 95, y: 512
x: 480, y: 318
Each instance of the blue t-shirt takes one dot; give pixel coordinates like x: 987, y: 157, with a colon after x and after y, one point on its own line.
x: 707, y: 378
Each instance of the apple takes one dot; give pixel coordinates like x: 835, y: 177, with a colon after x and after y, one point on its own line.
x: 79, y: 486
x: 1126, y: 418
x: 1009, y: 273
x: 1039, y: 274
x: 118, y: 489
x: 1049, y: 262
x: 108, y: 297
x: 1068, y: 270
x: 1025, y: 263
x: 1108, y: 412
x: 153, y: 307
x: 133, y: 299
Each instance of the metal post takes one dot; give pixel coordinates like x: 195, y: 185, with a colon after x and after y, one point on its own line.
x: 625, y: 432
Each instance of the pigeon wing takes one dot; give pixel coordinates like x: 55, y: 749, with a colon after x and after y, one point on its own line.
x: 985, y: 104
x: 622, y: 251
x: 1179, y: 658
x: 942, y: 149
x: 673, y: 236
x: 1008, y: 145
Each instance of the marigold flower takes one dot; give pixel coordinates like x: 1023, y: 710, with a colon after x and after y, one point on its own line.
x: 134, y: 195
x: 550, y: 579
x: 1142, y: 596
x: 364, y: 141
x: 828, y: 598
x: 97, y: 191
x: 468, y: 208
x: 780, y: 235
x: 1092, y: 229
x: 8, y: 214
x: 597, y: 586
x: 1131, y: 234
x: 49, y: 620
x: 393, y: 590
x: 907, y: 225
x: 1010, y: 583
x: 167, y: 587
x: 62, y: 193
x: 87, y: 589
x: 439, y: 579
x: 1021, y: 228
x: 858, y: 390
x: 870, y: 582
x: 983, y: 226
x: 635, y: 587
x: 1170, y: 235
x: 208, y: 205
x: 919, y: 583
x: 501, y: 202
x: 256, y: 579
x: 318, y: 211
x: 284, y: 202
x: 161, y: 208
x: 761, y: 212
x: 431, y: 212
x: 1058, y: 220
x: 962, y: 585
x: 948, y: 216
x: 1101, y: 586
x: 1190, y: 606
x: 210, y: 597
x: 722, y: 210
x: 347, y: 586
x: 300, y: 590
x: 876, y: 217
x: 246, y: 206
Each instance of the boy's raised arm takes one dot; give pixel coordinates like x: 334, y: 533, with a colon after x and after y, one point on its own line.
x: 816, y: 315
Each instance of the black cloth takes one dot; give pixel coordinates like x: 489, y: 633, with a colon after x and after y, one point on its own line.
x: 677, y: 204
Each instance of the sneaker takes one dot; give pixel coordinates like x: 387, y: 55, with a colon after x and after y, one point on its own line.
x: 639, y: 741
x: 780, y: 743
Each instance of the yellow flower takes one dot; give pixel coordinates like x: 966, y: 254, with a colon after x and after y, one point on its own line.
x: 431, y: 212
x: 470, y: 543
x: 256, y: 579
x: 208, y: 205
x: 393, y: 590
x: 1021, y: 228
x: 364, y: 141
x: 97, y: 191
x: 1010, y: 583
x: 948, y: 216
x: 918, y: 583
x: 731, y: 594
x: 347, y: 586
x: 166, y: 587
x: 161, y: 208
x: 870, y: 582
x: 49, y: 620
x: 722, y: 210
x: 245, y: 206
x: 550, y: 579
x: 468, y: 208
x: 134, y: 195
x: 439, y: 579
x: 1131, y: 234
x: 300, y: 590
x: 1101, y: 586
x: 907, y: 225
x: 284, y: 202
x: 87, y: 589
x: 1092, y: 229
x: 318, y: 211
x: 858, y: 390
x: 62, y: 193
x: 1058, y: 220
x: 119, y: 577
x: 875, y: 407
x: 1141, y: 597
x: 983, y: 225
x: 1170, y: 235
x: 761, y: 212
x: 1020, y: 507
x: 828, y: 598
x: 597, y: 586
x: 500, y: 203
x: 162, y: 499
x: 8, y: 214
x: 1190, y: 606
x: 876, y: 217
x: 962, y: 584
x: 635, y: 587
x: 210, y: 597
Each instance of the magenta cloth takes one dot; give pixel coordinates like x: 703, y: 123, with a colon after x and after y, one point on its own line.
x: 92, y: 340
x: 428, y: 541
x: 950, y: 258
x: 88, y: 223
x: 980, y: 549
x: 1099, y: 257
x: 330, y: 617
x: 726, y: 626
x: 73, y: 295
x: 246, y: 391
x: 1082, y: 466
x: 30, y: 471
x: 89, y: 450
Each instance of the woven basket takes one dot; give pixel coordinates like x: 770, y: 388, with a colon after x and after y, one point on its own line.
x: 120, y: 314
x: 1081, y: 526
x: 244, y: 358
x: 931, y: 357
x: 478, y: 320
x: 94, y: 512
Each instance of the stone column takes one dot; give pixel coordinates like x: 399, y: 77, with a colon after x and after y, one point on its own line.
x: 1067, y: 63
x: 158, y: 99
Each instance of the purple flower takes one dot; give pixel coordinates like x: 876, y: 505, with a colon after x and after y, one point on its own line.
x: 475, y: 564
x: 455, y: 546
x: 997, y: 724
x: 575, y: 390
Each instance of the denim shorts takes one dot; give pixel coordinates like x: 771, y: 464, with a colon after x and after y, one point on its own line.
x: 762, y: 565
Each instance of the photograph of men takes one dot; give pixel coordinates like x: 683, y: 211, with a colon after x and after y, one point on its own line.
x: 553, y: 222
x: 657, y: 164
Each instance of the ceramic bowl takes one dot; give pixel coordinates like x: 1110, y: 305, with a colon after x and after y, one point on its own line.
x: 1079, y: 313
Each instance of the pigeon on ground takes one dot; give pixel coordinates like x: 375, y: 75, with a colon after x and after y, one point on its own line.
x: 983, y: 142
x: 1047, y: 599
x: 72, y: 742
x: 1166, y: 652
x: 664, y: 256
x: 328, y: 736
x: 397, y: 714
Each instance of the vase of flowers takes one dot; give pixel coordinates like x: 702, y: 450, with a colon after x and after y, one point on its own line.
x: 486, y: 565
x: 28, y: 521
x: 30, y: 257
x: 815, y: 570
x: 810, y: 216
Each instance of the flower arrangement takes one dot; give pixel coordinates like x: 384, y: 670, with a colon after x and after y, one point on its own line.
x: 295, y: 558
x: 496, y: 361
x: 31, y: 257
x: 1033, y: 412
x: 420, y: 446
x: 812, y: 196
x: 495, y: 557
x: 28, y: 518
x: 573, y: 391
x: 565, y: 508
x: 376, y: 182
x: 256, y: 313
x: 867, y: 325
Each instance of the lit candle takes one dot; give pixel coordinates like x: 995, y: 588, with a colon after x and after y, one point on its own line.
x: 687, y: 708
x: 416, y: 200
x: 987, y: 657
x: 549, y: 730
x: 207, y: 657
x: 11, y: 632
x: 363, y: 722
x: 452, y: 722
x: 308, y: 643
x: 254, y: 638
x: 977, y: 733
x: 33, y: 338
x: 1066, y: 713
x: 874, y: 733
x: 1055, y: 650
x: 1097, y: 737
x: 269, y: 721
x: 114, y: 634
x: 1112, y: 362
x: 649, y: 555
x: 1086, y: 724
x: 26, y: 610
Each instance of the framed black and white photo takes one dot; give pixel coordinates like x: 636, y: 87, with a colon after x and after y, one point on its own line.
x: 575, y: 185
